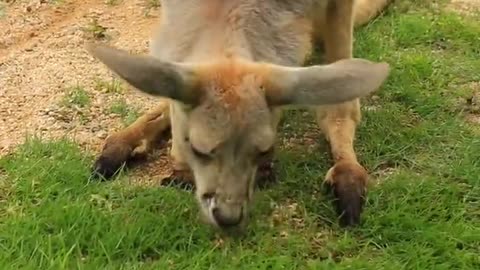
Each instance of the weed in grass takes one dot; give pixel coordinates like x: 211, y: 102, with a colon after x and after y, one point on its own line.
x: 131, y: 116
x: 95, y: 30
x: 56, y: 2
x: 151, y: 4
x: 3, y: 10
x: 125, y: 111
x: 113, y: 86
x: 119, y: 107
x: 76, y: 96
x: 113, y: 2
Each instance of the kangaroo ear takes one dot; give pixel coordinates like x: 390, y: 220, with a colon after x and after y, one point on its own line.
x: 149, y: 74
x: 338, y: 82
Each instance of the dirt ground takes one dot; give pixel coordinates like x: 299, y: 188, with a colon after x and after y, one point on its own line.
x: 42, y: 55
x: 468, y: 7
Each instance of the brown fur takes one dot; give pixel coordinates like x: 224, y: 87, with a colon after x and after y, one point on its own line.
x: 227, y: 68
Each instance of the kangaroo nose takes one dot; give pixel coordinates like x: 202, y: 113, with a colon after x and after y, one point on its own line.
x: 227, y: 219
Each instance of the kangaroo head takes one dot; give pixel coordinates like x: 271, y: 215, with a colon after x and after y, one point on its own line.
x: 226, y: 113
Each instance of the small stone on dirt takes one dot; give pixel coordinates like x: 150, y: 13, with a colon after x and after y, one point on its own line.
x: 102, y: 134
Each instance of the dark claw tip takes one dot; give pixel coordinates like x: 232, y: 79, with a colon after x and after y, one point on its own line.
x: 349, y: 189
x: 105, y: 168
x: 181, y: 179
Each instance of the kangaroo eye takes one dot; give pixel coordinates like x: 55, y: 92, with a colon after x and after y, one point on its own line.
x: 201, y: 155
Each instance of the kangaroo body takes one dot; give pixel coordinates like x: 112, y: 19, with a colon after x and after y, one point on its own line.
x: 227, y: 69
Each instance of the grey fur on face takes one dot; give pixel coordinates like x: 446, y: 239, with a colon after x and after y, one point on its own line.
x: 227, y: 67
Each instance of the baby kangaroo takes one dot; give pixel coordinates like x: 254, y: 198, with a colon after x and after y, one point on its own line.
x: 225, y: 70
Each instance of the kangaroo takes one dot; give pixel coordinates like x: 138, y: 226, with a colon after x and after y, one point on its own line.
x: 225, y: 71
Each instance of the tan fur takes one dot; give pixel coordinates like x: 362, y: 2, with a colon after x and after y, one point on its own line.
x: 366, y: 10
x: 238, y: 62
x: 143, y: 131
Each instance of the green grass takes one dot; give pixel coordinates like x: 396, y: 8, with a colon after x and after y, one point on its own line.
x: 56, y: 2
x: 128, y: 113
x: 113, y: 86
x: 423, y: 213
x: 76, y: 96
x: 95, y: 30
x: 3, y: 10
x: 152, y: 3
x: 149, y: 5
x: 113, y: 2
